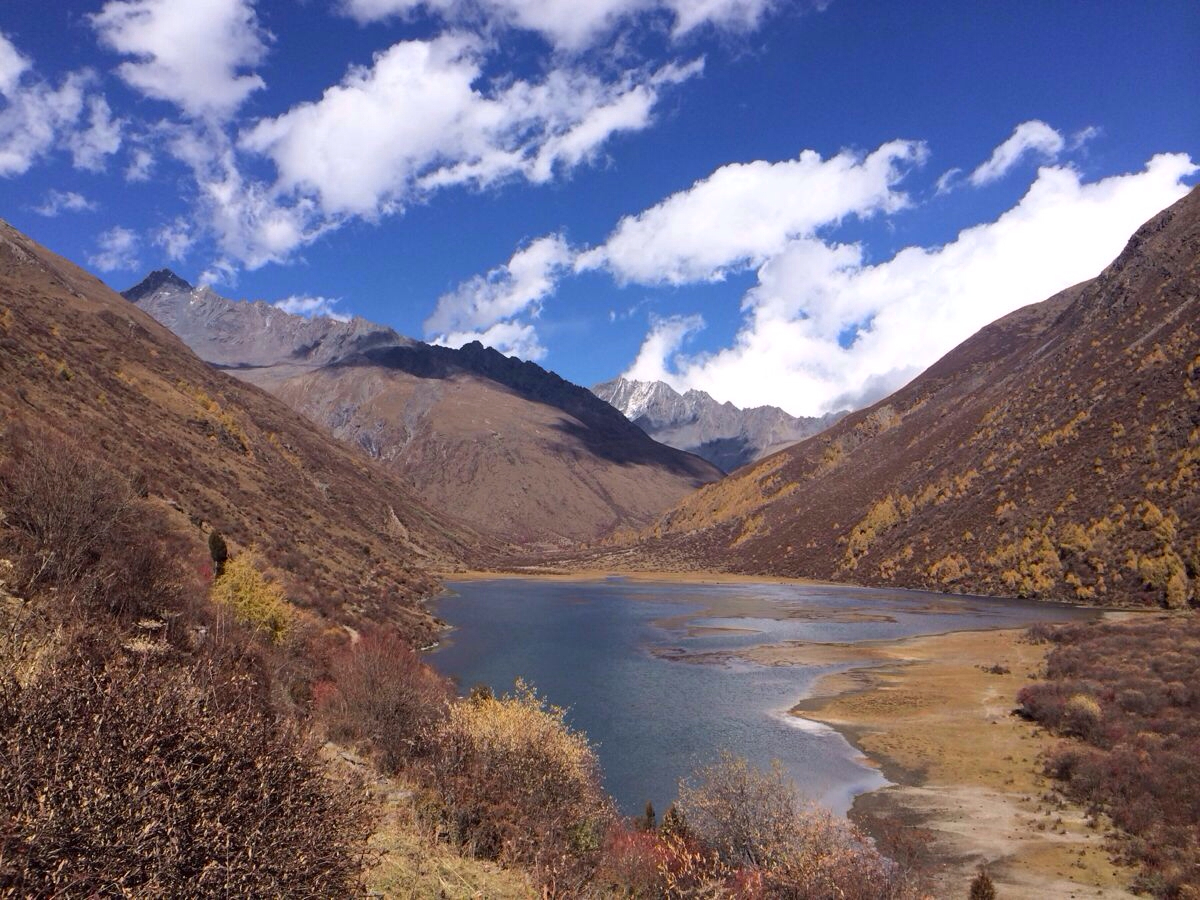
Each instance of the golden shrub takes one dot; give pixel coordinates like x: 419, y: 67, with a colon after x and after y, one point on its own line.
x: 255, y: 599
x: 517, y: 783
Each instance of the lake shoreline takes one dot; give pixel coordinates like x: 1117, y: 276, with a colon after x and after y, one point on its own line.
x: 934, y: 714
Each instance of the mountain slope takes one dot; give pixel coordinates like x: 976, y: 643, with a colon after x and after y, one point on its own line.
x: 75, y: 357
x: 1055, y: 454
x: 512, y: 449
x: 725, y: 435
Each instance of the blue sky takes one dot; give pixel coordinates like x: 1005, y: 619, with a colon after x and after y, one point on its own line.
x: 794, y: 203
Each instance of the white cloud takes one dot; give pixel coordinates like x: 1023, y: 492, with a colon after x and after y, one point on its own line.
x: 1033, y: 137
x: 510, y: 338
x: 666, y: 337
x: 189, y: 53
x: 252, y: 224
x: 419, y: 118
x: 505, y: 291
x: 741, y: 15
x: 102, y: 137
x: 744, y: 213
x: 63, y: 201
x: 897, y: 317
x: 36, y: 119
x: 573, y: 25
x: 176, y: 238
x: 141, y: 164
x: 12, y: 65
x: 117, y: 250
x: 310, y: 307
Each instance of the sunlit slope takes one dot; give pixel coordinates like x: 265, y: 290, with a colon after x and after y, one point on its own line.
x: 1054, y: 454
x: 76, y: 357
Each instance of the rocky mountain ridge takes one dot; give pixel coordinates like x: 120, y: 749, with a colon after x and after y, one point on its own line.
x: 237, y: 334
x: 725, y: 435
x: 515, y: 450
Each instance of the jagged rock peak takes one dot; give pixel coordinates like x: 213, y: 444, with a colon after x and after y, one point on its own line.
x: 722, y: 433
x: 156, y: 281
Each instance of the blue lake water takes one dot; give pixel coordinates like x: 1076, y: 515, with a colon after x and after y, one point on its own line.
x: 607, y: 650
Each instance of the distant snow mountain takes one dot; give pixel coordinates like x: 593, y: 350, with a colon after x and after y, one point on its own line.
x: 722, y: 433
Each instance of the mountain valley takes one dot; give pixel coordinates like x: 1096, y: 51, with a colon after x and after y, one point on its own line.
x: 514, y: 450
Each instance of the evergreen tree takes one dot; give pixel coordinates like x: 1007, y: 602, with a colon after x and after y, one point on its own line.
x: 219, y: 552
x: 982, y: 887
x: 648, y: 821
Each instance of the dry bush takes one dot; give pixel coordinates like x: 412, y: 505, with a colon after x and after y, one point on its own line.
x: 74, y: 524
x: 383, y: 693
x: 135, y: 780
x: 517, y: 784
x: 659, y: 864
x: 753, y: 820
x: 748, y: 816
x: 1128, y: 692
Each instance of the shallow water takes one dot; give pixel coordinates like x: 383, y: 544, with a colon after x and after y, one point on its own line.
x: 591, y: 647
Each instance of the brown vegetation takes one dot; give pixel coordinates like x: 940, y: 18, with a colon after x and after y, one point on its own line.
x: 744, y: 833
x: 382, y: 693
x: 224, y: 454
x: 141, y: 750
x: 1127, y: 693
x: 514, y: 783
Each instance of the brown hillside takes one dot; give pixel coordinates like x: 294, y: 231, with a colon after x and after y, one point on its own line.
x: 77, y: 358
x: 525, y: 468
x: 1055, y: 454
x: 509, y: 447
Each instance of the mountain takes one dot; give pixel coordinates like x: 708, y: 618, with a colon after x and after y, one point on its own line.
x: 352, y: 540
x: 726, y: 436
x: 1055, y: 454
x: 239, y: 335
x: 512, y: 449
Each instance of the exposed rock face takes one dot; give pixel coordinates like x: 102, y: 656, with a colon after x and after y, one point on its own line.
x: 1054, y: 454
x: 241, y: 335
x: 725, y: 435
x: 354, y: 542
x: 511, y: 448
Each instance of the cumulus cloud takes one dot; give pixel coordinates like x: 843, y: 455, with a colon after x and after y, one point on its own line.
x: 37, y: 118
x: 13, y: 64
x: 505, y: 291
x: 141, y: 164
x: 418, y: 119
x: 91, y: 146
x: 667, y: 335
x: 176, y: 239
x: 57, y: 202
x: 117, y: 250
x: 744, y: 213
x: 1033, y: 138
x: 576, y: 25
x: 824, y: 329
x: 252, y: 225
x: 191, y: 54
x: 510, y: 338
x: 313, y: 307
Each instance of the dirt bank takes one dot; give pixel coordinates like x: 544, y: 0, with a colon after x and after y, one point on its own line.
x: 935, y: 713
